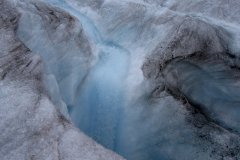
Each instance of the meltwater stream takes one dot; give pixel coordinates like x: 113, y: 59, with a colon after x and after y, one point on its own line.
x: 99, y: 101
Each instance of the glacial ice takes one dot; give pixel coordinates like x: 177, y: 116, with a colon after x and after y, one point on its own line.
x: 148, y: 79
x: 31, y: 127
x: 219, y: 97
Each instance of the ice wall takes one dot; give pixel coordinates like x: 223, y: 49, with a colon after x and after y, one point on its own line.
x: 31, y: 126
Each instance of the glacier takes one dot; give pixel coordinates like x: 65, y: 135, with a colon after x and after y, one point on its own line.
x: 145, y: 79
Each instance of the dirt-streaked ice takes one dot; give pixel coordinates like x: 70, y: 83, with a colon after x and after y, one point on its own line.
x: 148, y: 79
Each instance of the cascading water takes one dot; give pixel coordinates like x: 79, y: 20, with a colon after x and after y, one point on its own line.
x: 100, y: 100
x: 98, y: 104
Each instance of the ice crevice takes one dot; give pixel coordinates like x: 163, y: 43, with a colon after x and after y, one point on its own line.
x: 142, y: 87
x: 99, y: 89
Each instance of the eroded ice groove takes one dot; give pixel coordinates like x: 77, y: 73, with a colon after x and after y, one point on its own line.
x: 93, y: 92
x: 99, y: 102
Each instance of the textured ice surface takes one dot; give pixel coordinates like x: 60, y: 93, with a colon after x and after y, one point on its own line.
x: 31, y: 126
x: 149, y: 79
